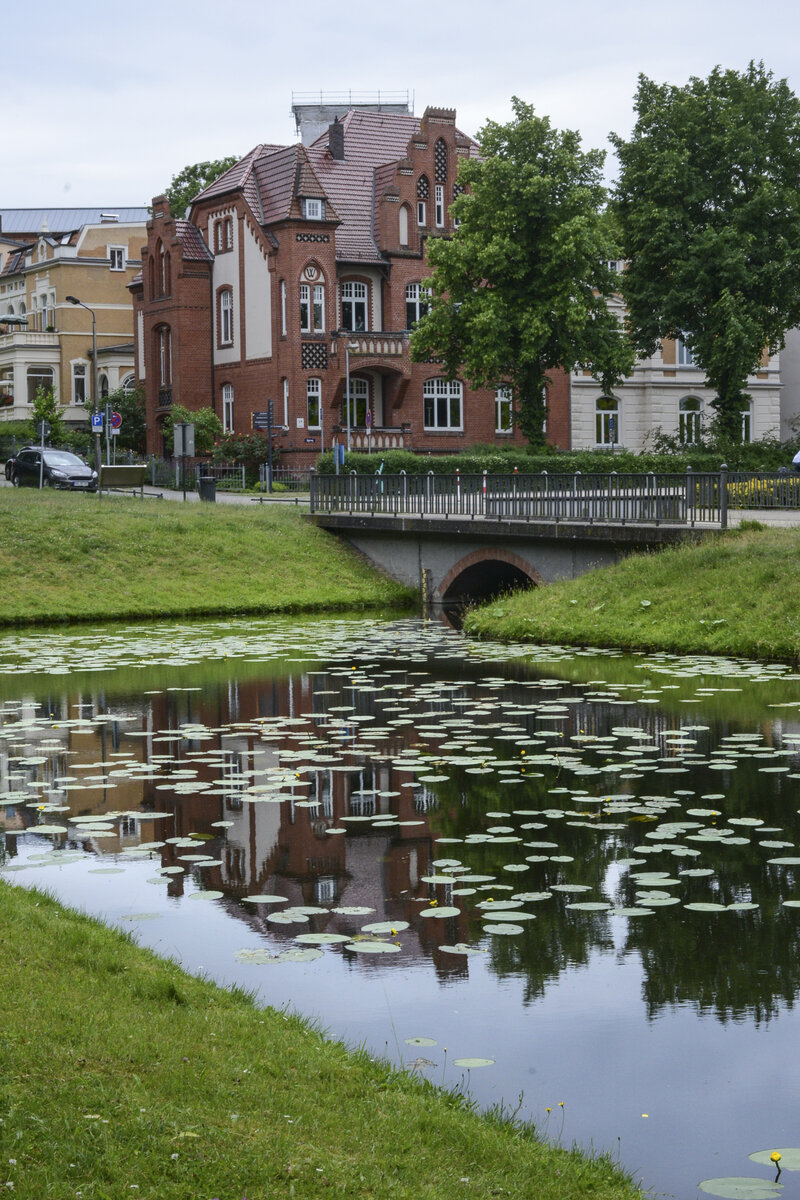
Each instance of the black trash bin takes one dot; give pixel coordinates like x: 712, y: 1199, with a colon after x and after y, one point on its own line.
x: 207, y: 488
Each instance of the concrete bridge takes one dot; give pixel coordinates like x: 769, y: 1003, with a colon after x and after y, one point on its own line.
x: 475, y: 537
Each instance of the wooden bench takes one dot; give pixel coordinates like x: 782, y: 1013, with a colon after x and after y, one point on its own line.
x: 125, y: 477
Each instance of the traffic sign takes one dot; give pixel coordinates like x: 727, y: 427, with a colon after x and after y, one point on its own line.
x: 97, y: 422
x: 116, y: 421
x: 369, y: 418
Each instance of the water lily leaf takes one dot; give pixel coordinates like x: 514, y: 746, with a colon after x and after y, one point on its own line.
x: 321, y: 939
x: 353, y: 910
x: 443, y: 910
x: 265, y: 899
x: 740, y: 1188
x: 461, y: 948
x: 705, y: 906
x: 368, y: 947
x: 473, y: 1062
x: 307, y: 955
x: 506, y: 928
x: 590, y: 905
x: 210, y: 895
x: 790, y: 1157
x: 421, y: 1041
x: 384, y: 927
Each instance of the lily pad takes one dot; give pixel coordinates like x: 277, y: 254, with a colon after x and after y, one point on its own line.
x: 790, y: 1157
x: 473, y: 1062
x: 368, y: 947
x: 740, y: 1187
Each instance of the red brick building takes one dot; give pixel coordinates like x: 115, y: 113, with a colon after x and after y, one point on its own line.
x: 301, y: 266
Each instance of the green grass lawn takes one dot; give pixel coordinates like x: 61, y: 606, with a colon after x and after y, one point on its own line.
x: 123, y: 1076
x: 736, y: 593
x: 72, y: 557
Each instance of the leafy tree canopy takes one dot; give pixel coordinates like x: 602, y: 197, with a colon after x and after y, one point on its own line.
x: 192, y: 179
x: 130, y: 404
x: 46, y: 408
x: 207, y: 426
x: 708, y: 202
x: 523, y: 285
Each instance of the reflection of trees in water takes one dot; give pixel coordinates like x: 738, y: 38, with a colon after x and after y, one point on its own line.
x: 729, y: 964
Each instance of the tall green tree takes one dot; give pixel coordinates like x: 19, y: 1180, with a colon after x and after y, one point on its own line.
x: 708, y: 202
x: 46, y: 408
x: 522, y: 287
x: 192, y: 179
x: 130, y: 404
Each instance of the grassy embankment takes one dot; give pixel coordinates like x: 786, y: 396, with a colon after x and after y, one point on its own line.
x: 73, y: 557
x: 124, y: 1076
x: 737, y: 593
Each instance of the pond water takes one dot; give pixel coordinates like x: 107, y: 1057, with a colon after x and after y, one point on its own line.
x: 564, y: 880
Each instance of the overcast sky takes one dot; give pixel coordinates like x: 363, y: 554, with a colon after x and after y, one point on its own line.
x: 111, y: 100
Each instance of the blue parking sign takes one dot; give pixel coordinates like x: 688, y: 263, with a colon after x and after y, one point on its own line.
x: 97, y: 422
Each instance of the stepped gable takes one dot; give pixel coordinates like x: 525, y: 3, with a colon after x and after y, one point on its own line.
x: 371, y: 140
x: 193, y: 246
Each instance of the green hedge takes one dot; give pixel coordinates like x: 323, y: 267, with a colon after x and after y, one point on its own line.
x: 753, y: 456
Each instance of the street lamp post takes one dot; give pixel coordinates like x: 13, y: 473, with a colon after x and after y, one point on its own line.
x: 347, y: 348
x: 96, y: 409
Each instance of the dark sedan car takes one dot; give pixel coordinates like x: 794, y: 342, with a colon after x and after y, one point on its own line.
x: 56, y: 468
x: 10, y: 462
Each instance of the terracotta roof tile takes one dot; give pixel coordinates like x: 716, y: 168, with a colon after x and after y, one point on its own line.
x: 191, y: 239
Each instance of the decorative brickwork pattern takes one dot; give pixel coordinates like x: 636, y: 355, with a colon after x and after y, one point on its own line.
x: 314, y: 356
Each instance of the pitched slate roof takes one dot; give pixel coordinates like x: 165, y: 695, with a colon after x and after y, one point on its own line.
x: 239, y: 176
x: 191, y: 239
x: 65, y: 220
x: 16, y: 260
x: 371, y: 139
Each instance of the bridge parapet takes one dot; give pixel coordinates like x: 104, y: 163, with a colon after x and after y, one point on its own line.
x: 685, y: 499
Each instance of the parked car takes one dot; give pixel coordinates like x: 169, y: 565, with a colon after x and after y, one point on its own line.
x: 10, y: 461
x: 56, y: 468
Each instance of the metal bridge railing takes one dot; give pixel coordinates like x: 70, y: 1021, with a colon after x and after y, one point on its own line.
x: 682, y: 498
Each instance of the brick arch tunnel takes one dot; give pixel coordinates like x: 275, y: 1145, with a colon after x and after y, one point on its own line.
x: 484, y: 574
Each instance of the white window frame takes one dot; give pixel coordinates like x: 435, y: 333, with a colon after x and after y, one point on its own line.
x: 606, y: 408
x: 313, y: 209
x: 359, y: 394
x: 402, y: 225
x: 438, y: 397
x: 305, y: 308
x: 422, y: 213
x: 117, y: 257
x: 286, y: 403
x: 418, y: 298
x: 79, y: 374
x: 227, y: 408
x: 283, y: 308
x: 226, y: 317
x: 164, y: 356
x: 355, y: 294
x: 747, y: 422
x: 683, y: 355
x: 503, y: 410
x: 690, y: 420
x: 438, y: 192
x: 314, y: 400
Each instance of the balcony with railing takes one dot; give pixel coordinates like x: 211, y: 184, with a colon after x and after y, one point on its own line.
x: 25, y: 338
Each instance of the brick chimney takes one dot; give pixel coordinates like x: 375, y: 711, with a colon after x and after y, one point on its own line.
x: 336, y: 139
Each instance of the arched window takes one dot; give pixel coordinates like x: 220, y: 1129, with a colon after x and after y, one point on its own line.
x: 164, y: 282
x: 225, y: 317
x: 79, y: 383
x: 354, y: 307
x: 314, y: 403
x: 128, y: 384
x: 357, y: 403
x: 227, y: 408
x: 402, y: 225
x: 607, y: 421
x: 163, y: 348
x: 423, y: 196
x: 417, y: 301
x: 103, y: 388
x: 151, y: 276
x: 442, y: 404
x: 690, y: 415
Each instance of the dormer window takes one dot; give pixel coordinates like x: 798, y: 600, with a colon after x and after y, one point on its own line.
x: 116, y: 258
x: 313, y: 209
